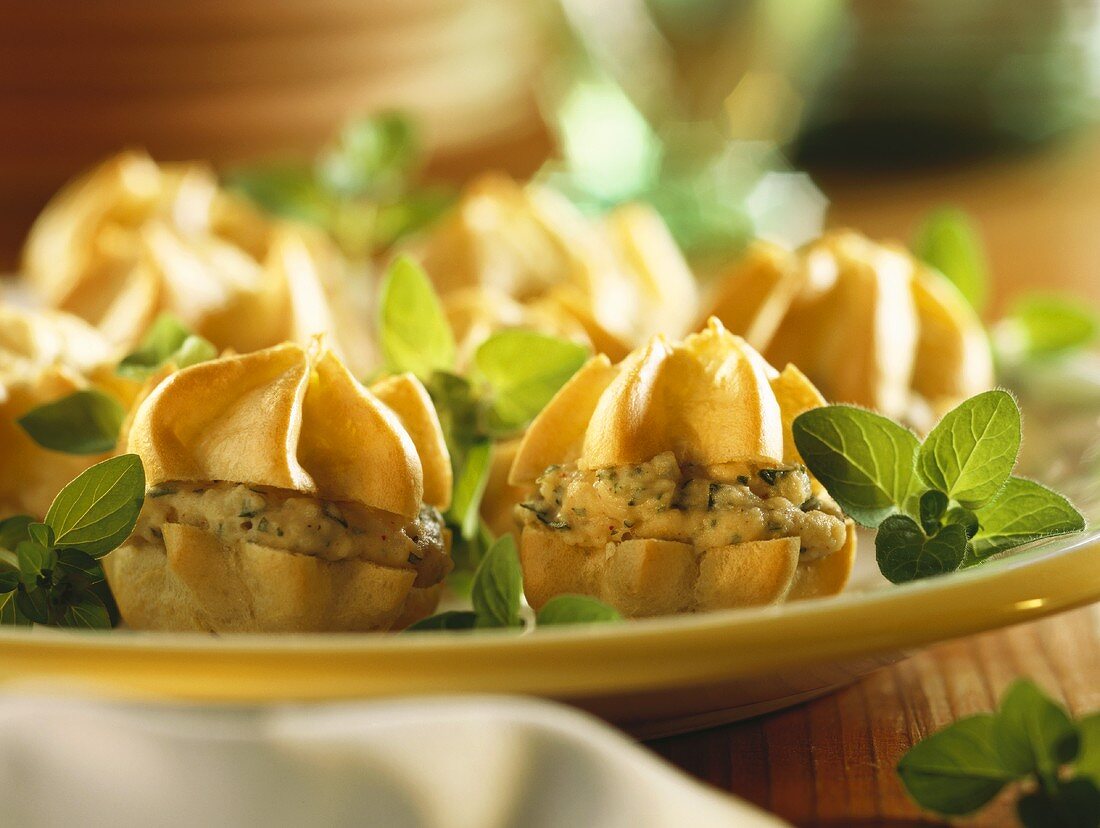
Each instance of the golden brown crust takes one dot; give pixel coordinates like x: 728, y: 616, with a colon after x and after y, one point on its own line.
x: 866, y: 321
x: 195, y: 582
x: 643, y: 577
x: 131, y: 239
x: 291, y: 418
x: 409, y: 400
x: 621, y: 279
x: 44, y: 356
x: 708, y: 399
x: 498, y: 503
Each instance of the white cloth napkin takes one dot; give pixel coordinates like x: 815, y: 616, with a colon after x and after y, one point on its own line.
x: 476, y: 762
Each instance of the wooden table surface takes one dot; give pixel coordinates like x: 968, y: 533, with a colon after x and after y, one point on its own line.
x: 831, y: 762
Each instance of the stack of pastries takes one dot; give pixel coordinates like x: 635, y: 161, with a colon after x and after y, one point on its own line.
x: 286, y: 495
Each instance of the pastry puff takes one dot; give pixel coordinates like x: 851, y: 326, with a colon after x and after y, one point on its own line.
x: 867, y: 322
x: 713, y: 402
x: 292, y: 421
x: 44, y: 356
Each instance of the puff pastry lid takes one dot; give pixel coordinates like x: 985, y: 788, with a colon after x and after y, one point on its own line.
x: 294, y: 417
x: 711, y: 399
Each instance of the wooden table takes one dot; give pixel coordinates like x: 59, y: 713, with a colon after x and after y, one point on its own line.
x: 831, y: 762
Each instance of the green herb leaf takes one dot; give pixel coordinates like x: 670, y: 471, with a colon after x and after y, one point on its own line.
x: 34, y: 560
x: 40, y: 533
x: 865, y: 461
x: 1033, y: 734
x: 948, y: 242
x: 84, y: 422
x: 9, y: 612
x: 14, y: 530
x: 451, y: 620
x: 413, y: 330
x: 972, y: 450
x: 467, y: 554
x: 1024, y: 511
x: 98, y: 510
x: 33, y: 605
x: 1066, y: 804
x: 372, y: 157
x: 285, y: 189
x: 575, y: 609
x: 1088, y: 759
x: 9, y: 581
x: 410, y: 212
x: 965, y: 518
x: 498, y: 586
x: 905, y: 554
x: 79, y: 567
x: 469, y: 488
x: 1043, y: 325
x: 524, y: 369
x: 168, y: 340
x: 957, y: 770
x: 87, y: 611
x: 933, y: 506
x: 458, y: 412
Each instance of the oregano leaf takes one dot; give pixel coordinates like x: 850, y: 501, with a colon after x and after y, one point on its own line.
x: 971, y: 452
x: 864, y: 460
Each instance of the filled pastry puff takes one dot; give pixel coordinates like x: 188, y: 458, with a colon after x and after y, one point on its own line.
x: 283, y: 495
x: 622, y: 278
x: 670, y: 483
x: 44, y: 356
x: 132, y: 238
x: 867, y: 322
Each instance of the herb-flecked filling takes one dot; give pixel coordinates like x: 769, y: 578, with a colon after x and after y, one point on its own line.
x: 298, y: 523
x: 707, y: 508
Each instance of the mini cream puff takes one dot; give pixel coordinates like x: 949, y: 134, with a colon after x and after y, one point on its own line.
x: 131, y: 239
x: 44, y: 356
x: 670, y: 483
x: 867, y: 322
x: 620, y: 278
x: 285, y: 496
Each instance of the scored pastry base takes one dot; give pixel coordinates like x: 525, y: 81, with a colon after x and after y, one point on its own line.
x: 645, y: 577
x: 195, y: 582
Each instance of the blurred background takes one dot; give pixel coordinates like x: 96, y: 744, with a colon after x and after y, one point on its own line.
x: 736, y: 118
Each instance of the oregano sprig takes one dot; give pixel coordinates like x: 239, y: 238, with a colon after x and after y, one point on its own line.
x: 1031, y: 741
x: 513, y: 376
x: 940, y: 505
x: 497, y: 598
x: 364, y: 188
x: 50, y: 571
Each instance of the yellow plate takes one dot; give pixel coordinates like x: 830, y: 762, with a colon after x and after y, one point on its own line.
x: 654, y: 676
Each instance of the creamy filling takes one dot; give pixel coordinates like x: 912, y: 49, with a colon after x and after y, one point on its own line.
x: 704, y: 507
x: 301, y: 524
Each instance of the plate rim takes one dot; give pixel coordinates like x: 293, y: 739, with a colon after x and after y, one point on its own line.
x: 598, y: 660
